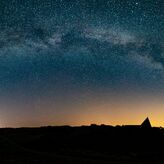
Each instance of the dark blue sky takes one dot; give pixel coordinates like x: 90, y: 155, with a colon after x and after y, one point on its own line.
x: 59, y: 56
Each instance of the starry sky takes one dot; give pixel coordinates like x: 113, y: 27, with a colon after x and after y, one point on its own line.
x: 81, y: 61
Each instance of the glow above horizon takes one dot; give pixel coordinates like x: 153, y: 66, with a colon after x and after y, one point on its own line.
x: 81, y: 62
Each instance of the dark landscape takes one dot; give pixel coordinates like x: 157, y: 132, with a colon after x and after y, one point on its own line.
x: 94, y: 66
x: 92, y: 144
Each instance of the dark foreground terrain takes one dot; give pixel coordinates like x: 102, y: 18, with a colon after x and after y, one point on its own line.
x: 82, y: 145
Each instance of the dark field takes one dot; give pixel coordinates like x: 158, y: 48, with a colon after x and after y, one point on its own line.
x: 82, y: 145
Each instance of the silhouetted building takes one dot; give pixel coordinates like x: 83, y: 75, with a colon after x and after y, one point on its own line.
x: 145, y: 124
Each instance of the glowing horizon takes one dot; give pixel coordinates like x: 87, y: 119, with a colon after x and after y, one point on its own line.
x: 121, y: 111
x: 81, y: 62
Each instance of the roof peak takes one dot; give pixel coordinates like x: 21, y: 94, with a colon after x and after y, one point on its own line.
x: 146, y: 123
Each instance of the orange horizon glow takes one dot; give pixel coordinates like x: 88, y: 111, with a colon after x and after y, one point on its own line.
x: 111, y: 112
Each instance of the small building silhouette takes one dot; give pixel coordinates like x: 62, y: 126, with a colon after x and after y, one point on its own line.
x: 145, y: 124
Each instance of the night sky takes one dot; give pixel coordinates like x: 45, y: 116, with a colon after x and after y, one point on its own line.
x: 81, y: 61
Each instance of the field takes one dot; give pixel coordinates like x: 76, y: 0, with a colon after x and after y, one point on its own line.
x: 83, y: 145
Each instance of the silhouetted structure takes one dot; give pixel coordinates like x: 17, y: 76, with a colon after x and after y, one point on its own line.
x: 94, y: 144
x: 146, y: 123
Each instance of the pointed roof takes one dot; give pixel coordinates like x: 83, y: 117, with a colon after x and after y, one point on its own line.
x: 146, y: 123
